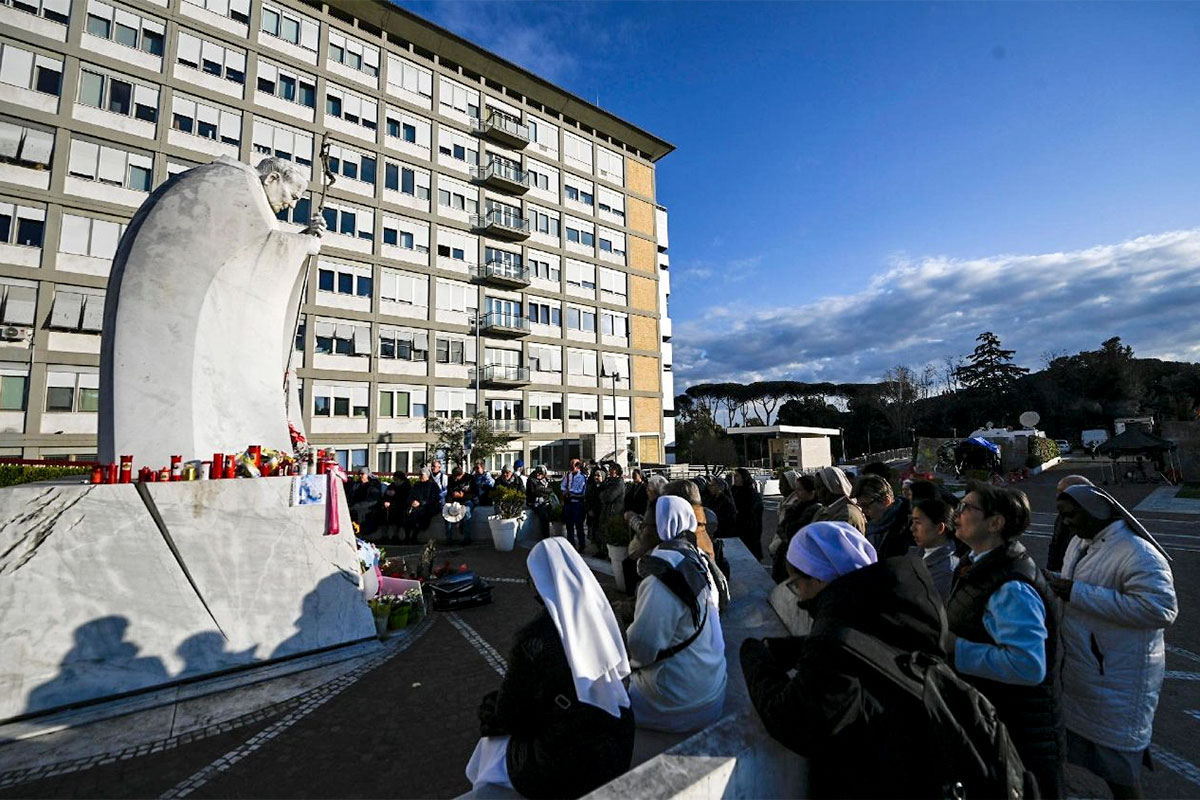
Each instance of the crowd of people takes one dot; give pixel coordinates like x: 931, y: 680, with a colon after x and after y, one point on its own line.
x: 1068, y: 656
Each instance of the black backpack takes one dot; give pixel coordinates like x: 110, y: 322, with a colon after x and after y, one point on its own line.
x: 979, y: 757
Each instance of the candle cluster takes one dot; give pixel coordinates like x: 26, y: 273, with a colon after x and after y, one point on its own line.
x: 255, y: 461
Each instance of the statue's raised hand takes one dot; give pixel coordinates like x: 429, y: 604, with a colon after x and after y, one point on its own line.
x: 316, y: 228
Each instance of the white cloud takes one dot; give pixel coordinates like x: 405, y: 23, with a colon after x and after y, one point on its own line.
x: 1146, y: 290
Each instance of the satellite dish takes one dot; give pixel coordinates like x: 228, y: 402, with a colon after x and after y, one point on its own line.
x: 1030, y: 419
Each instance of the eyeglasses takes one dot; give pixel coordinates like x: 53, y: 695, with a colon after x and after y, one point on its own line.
x: 964, y: 505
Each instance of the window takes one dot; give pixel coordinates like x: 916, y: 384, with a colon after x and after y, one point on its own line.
x: 577, y: 151
x: 614, y: 324
x: 581, y: 275
x: 407, y: 129
x: 25, y: 70
x: 403, y: 345
x: 123, y: 27
x: 394, y: 403
x: 236, y: 10
x: 77, y: 311
x: 299, y: 214
x: 350, y: 106
x: 610, y: 204
x: 615, y: 364
x: 406, y: 180
x: 341, y: 401
x: 12, y: 391
x: 544, y: 267
x: 580, y: 233
x: 287, y: 84
x: 582, y: 407
x: 407, y: 80
x: 457, y: 146
x: 457, y: 196
x: 118, y: 95
x: 352, y: 164
x: 353, y: 53
x: 505, y: 214
x: 206, y: 119
x: 458, y: 99
x: 25, y: 146
x: 544, y: 312
x: 581, y: 362
x: 68, y: 392
x: 494, y: 256
x: 542, y: 177
x: 576, y: 190
x: 622, y: 413
x: 451, y: 350
x: 404, y: 288
x: 86, y: 236
x: 21, y: 225
x: 581, y: 319
x: 350, y: 221
x: 544, y: 358
x: 344, y: 279
x: 455, y: 296
x: 293, y: 28
x: 613, y: 286
x: 542, y: 221
x: 610, y: 165
x: 104, y: 164
x: 457, y: 246
x: 544, y: 135
x: 18, y: 301
x: 54, y: 10
x: 212, y: 58
x: 342, y: 338
x: 281, y: 141
x: 409, y: 234
x: 545, y: 406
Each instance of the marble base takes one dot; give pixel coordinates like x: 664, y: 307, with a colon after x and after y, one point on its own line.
x: 96, y: 601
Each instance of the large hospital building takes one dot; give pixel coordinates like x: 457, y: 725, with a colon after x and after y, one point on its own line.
x: 494, y: 241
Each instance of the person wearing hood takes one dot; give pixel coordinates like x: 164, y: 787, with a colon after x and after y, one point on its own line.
x: 560, y: 724
x: 1118, y: 595
x: 833, y: 710
x: 887, y: 518
x: 833, y: 493
x: 1061, y: 537
x: 676, y: 647
x: 1004, y: 625
x: 749, y: 505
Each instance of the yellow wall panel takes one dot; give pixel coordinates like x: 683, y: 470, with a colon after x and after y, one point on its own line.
x: 643, y: 294
x: 640, y: 215
x: 647, y: 414
x: 639, y: 178
x: 646, y: 374
x: 643, y: 254
x: 645, y: 333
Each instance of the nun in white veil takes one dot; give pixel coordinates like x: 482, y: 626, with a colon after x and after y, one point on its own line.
x: 560, y: 725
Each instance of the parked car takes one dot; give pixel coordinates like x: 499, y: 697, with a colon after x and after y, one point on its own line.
x: 1064, y: 446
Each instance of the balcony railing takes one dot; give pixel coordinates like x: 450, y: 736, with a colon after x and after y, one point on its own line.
x: 507, y: 374
x: 502, y: 324
x: 503, y: 273
x: 502, y: 175
x: 509, y: 425
x: 503, y: 129
x: 501, y: 223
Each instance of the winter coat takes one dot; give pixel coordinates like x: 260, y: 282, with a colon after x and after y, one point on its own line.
x: 425, y: 493
x: 636, y: 498
x: 1122, y: 599
x: 891, y: 535
x: 537, y: 491
x: 940, y: 563
x: 460, y: 489
x: 842, y: 510
x: 749, y: 517
x: 397, y: 496
x: 612, y: 499
x: 483, y: 483
x: 560, y: 747
x: 514, y: 482
x: 726, y: 511
x: 364, y: 500
x: 798, y: 514
x: 837, y: 712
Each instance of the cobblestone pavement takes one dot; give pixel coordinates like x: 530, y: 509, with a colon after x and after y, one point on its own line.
x: 402, y: 725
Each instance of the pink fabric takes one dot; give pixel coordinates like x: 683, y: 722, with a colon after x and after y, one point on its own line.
x: 333, y: 525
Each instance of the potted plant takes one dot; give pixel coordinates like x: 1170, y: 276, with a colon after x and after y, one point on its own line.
x: 381, y: 608
x: 399, y: 616
x: 510, y: 513
x: 617, y: 535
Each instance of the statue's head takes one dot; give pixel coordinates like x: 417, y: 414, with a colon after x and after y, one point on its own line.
x: 282, y: 181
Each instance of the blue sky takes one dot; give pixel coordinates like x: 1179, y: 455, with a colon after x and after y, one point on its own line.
x: 868, y: 185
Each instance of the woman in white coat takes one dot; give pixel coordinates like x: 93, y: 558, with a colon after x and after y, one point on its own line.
x: 1119, y: 596
x: 676, y: 647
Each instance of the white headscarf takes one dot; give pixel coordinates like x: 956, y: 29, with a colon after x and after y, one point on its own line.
x: 835, y: 480
x: 1101, y: 505
x: 585, y: 623
x: 829, y: 550
x: 673, y: 517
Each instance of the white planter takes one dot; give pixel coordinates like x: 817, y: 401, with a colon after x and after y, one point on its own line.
x: 504, y: 531
x: 616, y: 555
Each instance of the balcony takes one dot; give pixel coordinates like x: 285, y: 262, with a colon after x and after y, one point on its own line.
x: 502, y: 176
x: 510, y: 326
x: 503, y: 129
x: 502, y: 274
x: 501, y: 375
x: 509, y: 425
x: 502, y: 225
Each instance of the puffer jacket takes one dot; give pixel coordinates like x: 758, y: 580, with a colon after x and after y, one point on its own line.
x: 1122, y: 599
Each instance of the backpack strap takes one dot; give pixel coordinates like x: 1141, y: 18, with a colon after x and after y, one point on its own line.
x: 663, y: 655
x: 880, y: 657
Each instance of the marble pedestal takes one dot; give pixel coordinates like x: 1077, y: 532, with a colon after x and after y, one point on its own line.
x: 104, y: 591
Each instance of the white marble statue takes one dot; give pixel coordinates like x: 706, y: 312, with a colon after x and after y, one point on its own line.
x: 198, y: 322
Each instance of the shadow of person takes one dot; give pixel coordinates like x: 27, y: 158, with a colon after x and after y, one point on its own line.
x: 328, y: 616
x: 205, y: 652
x: 99, y: 664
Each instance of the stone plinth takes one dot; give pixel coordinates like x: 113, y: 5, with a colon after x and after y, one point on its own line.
x: 104, y: 591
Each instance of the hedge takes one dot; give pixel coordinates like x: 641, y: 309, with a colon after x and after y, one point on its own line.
x: 16, y: 474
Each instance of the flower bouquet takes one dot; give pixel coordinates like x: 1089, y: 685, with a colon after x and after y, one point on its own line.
x: 416, y: 600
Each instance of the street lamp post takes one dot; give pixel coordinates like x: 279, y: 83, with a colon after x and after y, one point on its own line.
x: 842, y: 436
x: 615, y: 377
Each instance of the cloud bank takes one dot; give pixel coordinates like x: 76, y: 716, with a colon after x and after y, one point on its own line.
x: 1146, y: 290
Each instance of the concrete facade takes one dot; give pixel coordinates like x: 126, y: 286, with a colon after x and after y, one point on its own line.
x: 465, y: 184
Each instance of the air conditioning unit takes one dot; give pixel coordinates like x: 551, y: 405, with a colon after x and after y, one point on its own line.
x: 11, y: 333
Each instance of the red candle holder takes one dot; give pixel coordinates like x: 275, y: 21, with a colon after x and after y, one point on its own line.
x: 126, y: 474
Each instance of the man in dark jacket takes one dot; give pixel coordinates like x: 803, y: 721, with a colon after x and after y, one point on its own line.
x: 717, y: 498
x: 887, y: 517
x: 834, y: 710
x: 364, y: 495
x: 509, y: 479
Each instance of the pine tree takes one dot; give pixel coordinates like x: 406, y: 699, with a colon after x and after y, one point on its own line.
x: 989, y: 368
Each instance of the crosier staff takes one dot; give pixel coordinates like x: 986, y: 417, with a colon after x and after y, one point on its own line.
x: 328, y: 178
